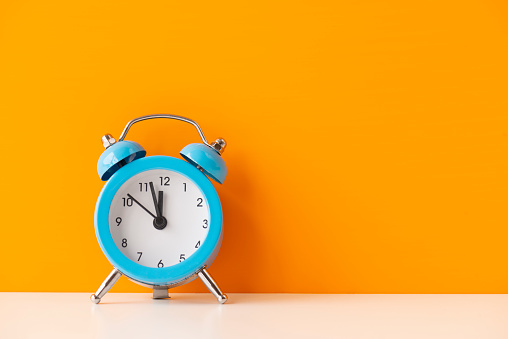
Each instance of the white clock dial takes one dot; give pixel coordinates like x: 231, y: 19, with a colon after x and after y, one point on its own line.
x: 159, y: 243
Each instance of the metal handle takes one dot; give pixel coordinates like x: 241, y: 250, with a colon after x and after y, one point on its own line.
x: 167, y: 116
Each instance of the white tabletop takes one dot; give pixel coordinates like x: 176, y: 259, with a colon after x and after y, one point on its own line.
x: 134, y: 315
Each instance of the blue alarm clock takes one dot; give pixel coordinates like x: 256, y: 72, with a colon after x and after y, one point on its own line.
x: 158, y: 219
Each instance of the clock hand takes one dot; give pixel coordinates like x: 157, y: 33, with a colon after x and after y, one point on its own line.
x: 161, y: 197
x: 159, y: 222
x: 157, y: 206
x: 143, y: 207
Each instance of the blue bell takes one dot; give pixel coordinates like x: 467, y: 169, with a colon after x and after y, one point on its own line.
x: 207, y: 158
x: 116, y: 155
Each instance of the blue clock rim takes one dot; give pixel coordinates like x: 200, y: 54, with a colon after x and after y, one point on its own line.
x: 166, y: 275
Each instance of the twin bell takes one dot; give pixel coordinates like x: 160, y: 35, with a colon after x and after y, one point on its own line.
x: 207, y: 158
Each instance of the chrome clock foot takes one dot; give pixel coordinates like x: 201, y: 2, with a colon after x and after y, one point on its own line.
x: 106, y: 286
x: 160, y: 292
x: 95, y: 299
x: 212, y: 286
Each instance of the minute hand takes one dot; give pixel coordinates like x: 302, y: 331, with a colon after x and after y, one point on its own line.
x: 157, y: 206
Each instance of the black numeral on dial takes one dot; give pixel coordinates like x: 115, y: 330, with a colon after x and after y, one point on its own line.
x: 160, y: 264
x: 124, y: 242
x: 143, y: 186
x: 205, y: 223
x: 140, y: 254
x: 200, y: 202
x: 182, y: 257
x: 118, y: 221
x: 198, y: 244
x: 164, y: 181
x: 127, y: 202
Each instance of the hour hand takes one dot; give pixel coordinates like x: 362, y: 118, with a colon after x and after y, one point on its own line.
x: 160, y: 202
x: 140, y: 205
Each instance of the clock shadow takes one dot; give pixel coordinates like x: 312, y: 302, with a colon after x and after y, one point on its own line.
x: 242, y: 241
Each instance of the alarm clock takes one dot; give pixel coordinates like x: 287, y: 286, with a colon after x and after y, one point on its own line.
x: 158, y: 219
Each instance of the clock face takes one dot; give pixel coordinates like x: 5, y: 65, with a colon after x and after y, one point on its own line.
x: 162, y: 238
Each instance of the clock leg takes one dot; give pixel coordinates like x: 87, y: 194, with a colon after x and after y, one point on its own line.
x: 212, y: 286
x: 106, y: 286
x: 160, y: 292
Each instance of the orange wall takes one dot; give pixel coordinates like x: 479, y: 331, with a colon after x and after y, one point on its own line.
x: 367, y: 140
